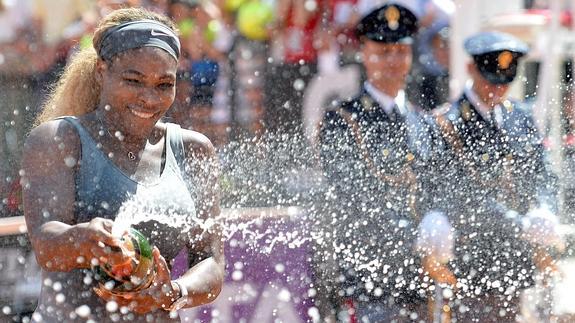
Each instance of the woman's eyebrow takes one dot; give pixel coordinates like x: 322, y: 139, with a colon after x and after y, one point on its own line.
x: 170, y: 76
x: 130, y: 71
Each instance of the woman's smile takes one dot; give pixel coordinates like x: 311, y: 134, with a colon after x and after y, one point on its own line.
x: 142, y: 114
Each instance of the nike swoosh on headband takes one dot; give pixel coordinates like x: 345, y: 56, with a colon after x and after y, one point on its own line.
x: 137, y: 34
x: 158, y: 33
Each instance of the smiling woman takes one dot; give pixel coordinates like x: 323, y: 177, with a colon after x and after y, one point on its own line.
x: 98, y: 153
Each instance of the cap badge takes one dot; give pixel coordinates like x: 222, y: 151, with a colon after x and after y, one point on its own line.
x: 466, y: 111
x: 504, y: 59
x: 392, y: 16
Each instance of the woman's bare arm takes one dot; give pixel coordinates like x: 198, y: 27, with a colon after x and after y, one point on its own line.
x: 49, y: 160
x: 204, y: 280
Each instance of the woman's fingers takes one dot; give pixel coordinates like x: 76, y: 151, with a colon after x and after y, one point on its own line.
x: 162, y: 271
x: 163, y: 289
x: 100, y: 231
x: 148, y: 299
x: 121, y: 300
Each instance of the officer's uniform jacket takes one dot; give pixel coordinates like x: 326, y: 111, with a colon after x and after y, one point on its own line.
x: 495, y: 172
x: 377, y: 166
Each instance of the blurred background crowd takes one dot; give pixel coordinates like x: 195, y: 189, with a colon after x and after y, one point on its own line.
x: 249, y: 66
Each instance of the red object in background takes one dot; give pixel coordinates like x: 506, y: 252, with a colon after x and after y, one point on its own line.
x: 567, y: 142
x: 14, y: 200
x: 341, y: 16
x: 299, y: 42
x: 565, y: 18
x: 351, y: 311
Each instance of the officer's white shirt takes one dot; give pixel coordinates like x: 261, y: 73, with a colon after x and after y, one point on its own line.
x: 384, y: 100
x: 482, y: 108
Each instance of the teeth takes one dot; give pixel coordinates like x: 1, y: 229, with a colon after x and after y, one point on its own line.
x: 142, y: 115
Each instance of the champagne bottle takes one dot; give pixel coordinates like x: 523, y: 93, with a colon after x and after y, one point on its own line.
x: 135, y: 274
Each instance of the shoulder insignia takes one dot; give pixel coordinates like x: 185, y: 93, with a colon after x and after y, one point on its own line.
x: 508, y: 105
x: 466, y: 111
x: 367, y: 102
x: 441, y: 110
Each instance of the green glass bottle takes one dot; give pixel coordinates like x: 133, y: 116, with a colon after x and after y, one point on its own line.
x: 140, y: 267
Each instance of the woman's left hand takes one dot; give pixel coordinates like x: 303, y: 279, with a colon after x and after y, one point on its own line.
x: 160, y: 294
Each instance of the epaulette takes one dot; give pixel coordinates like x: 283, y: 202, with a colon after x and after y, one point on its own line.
x: 366, y: 102
x: 441, y: 109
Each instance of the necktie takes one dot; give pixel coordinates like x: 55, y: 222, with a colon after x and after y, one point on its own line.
x: 493, y: 117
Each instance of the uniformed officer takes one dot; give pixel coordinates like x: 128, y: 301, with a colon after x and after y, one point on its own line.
x: 499, y: 175
x: 374, y: 150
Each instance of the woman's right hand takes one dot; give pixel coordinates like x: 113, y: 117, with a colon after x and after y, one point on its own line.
x: 99, y: 245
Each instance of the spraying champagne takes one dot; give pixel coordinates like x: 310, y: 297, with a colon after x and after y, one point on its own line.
x: 133, y: 274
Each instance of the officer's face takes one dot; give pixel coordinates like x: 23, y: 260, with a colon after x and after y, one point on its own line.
x: 440, y: 48
x: 386, y: 63
x: 491, y: 94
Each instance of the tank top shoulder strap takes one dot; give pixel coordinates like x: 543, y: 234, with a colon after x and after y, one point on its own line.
x: 76, y: 123
x: 85, y: 138
x: 176, y: 142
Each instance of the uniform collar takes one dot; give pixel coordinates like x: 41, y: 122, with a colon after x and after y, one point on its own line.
x: 385, y: 101
x: 482, y: 108
x: 479, y: 106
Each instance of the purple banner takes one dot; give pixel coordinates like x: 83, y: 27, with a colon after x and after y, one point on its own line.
x: 268, y: 278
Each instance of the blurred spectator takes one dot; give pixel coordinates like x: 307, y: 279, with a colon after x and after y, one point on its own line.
x: 297, y: 27
x: 159, y: 6
x: 344, y: 18
x: 251, y: 51
x: 107, y: 6
x: 199, y: 70
x: 23, y: 58
x: 66, y: 11
x: 429, y: 83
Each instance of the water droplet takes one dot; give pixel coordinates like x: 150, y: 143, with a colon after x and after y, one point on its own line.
x: 87, y: 280
x: 237, y: 275
x: 111, y: 306
x: 37, y: 317
x: 284, y: 295
x: 57, y: 286
x: 83, y: 311
x: 70, y: 161
x: 299, y: 84
x: 279, y: 268
x: 313, y: 313
x: 311, y: 292
x: 60, y: 298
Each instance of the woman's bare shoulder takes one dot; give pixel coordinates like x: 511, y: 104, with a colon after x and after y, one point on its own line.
x: 55, y: 136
